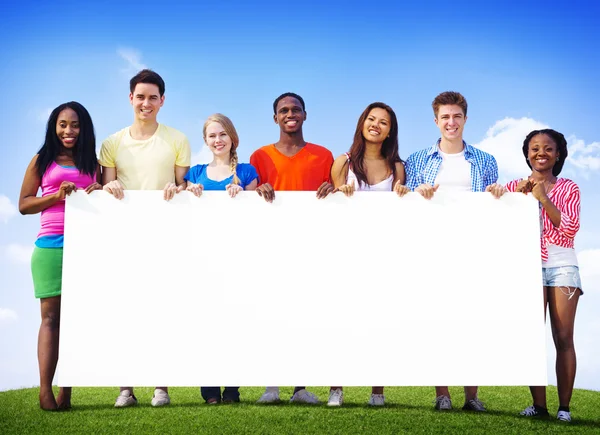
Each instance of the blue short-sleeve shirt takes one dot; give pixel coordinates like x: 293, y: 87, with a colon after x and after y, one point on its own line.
x: 423, y: 167
x: 197, y: 175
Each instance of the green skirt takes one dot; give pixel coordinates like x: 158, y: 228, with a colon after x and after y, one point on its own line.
x: 46, y: 269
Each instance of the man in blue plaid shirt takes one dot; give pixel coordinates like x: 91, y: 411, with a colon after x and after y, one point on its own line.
x: 451, y: 165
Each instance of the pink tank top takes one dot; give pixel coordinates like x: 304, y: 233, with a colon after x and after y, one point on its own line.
x: 53, y: 218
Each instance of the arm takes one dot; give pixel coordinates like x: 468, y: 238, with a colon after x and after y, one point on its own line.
x: 180, y: 172
x: 400, y: 174
x: 569, y: 216
x: 99, y: 174
x: 491, y: 174
x: 566, y: 221
x: 108, y: 175
x: 98, y: 184
x: 248, y: 177
x: 252, y: 185
x: 552, y: 211
x: 110, y: 182
x: 326, y: 187
x: 255, y: 162
x: 263, y: 188
x: 339, y: 171
x: 171, y: 189
x: 415, y: 179
x: 29, y: 202
x: 398, y: 183
x: 339, y: 176
x: 412, y: 175
x: 328, y: 169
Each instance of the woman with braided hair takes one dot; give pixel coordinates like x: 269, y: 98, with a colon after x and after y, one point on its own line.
x: 224, y: 172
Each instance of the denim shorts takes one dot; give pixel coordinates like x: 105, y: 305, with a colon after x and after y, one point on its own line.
x: 563, y: 276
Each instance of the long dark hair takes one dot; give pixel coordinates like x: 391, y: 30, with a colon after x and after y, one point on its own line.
x: 84, y: 151
x: 561, y: 147
x: 389, y: 148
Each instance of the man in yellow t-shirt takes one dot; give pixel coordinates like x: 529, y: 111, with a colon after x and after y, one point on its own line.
x: 145, y: 156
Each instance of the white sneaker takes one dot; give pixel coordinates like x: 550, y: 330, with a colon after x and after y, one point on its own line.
x: 271, y: 395
x: 377, y: 400
x: 336, y: 397
x: 125, y: 399
x: 564, y: 416
x: 303, y: 396
x: 160, y: 398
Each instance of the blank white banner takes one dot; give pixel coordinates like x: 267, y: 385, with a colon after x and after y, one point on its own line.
x: 368, y: 290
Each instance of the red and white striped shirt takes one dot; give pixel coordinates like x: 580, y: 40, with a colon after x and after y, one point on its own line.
x: 567, y: 199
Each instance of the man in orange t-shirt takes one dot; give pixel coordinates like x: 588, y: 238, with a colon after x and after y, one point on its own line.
x: 292, y: 163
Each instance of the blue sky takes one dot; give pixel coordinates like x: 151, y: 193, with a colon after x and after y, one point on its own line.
x: 521, y: 65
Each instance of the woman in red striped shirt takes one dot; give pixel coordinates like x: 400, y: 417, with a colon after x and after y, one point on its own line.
x: 546, y: 151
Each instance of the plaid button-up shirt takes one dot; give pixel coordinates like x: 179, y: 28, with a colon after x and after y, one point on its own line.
x: 423, y: 167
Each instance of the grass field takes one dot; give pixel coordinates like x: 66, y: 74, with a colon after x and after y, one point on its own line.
x: 407, y: 410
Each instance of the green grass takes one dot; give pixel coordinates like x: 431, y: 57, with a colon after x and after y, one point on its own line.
x: 407, y: 410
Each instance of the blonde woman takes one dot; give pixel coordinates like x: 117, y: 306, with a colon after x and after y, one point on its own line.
x: 224, y: 172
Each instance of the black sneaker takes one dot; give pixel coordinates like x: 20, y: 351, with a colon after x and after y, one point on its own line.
x: 474, y: 405
x: 535, y: 411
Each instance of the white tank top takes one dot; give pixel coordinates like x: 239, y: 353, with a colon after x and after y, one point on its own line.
x: 382, y: 186
x: 559, y: 256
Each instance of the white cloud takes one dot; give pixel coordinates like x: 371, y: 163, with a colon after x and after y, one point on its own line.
x: 504, y: 140
x: 18, y: 254
x: 7, y: 209
x: 133, y: 59
x: 7, y: 315
x: 203, y: 156
x: 582, y: 156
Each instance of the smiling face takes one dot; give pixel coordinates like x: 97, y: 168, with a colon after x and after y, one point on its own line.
x: 289, y: 115
x: 217, y: 139
x: 542, y: 153
x: 146, y: 101
x: 67, y: 128
x: 376, y: 127
x: 451, y: 122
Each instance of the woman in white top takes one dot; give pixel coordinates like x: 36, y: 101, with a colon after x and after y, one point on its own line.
x: 374, y: 164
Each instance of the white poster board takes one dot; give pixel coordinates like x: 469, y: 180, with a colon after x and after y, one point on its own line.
x: 368, y: 290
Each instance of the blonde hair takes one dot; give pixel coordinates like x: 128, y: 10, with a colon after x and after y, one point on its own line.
x: 235, y: 140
